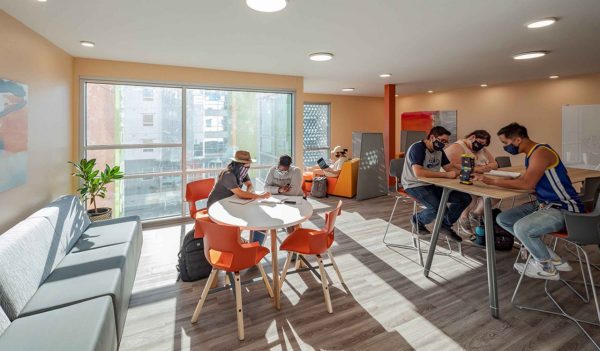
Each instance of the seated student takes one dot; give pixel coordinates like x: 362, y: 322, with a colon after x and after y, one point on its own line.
x: 335, y: 167
x: 475, y: 143
x: 424, y: 159
x: 555, y: 194
x: 284, y: 178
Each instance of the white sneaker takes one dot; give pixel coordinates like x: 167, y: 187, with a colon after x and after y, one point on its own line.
x: 558, y: 262
x: 538, y: 270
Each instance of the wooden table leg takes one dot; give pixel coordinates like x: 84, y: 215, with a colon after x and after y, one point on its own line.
x: 275, y: 267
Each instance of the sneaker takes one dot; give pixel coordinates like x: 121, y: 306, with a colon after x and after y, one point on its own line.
x: 450, y: 234
x: 558, y: 262
x: 422, y: 228
x: 464, y: 225
x: 538, y: 270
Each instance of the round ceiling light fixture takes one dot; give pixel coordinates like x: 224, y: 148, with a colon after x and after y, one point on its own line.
x: 553, y: 77
x: 348, y: 89
x: 545, y: 22
x: 321, y: 56
x: 385, y: 75
x: 430, y: 91
x: 87, y: 44
x: 529, y: 55
x: 267, y: 5
x: 483, y: 85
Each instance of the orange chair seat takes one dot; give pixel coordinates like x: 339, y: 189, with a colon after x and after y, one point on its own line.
x: 561, y: 234
x: 307, y: 241
x: 229, y: 262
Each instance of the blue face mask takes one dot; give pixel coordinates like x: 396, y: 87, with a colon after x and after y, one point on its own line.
x: 511, y: 149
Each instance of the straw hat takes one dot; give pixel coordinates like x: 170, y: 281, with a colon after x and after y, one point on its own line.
x: 242, y: 156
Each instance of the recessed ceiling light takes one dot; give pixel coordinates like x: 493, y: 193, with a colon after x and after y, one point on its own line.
x: 483, y: 85
x: 42, y: 0
x: 529, y: 55
x: 348, y: 89
x: 385, y: 75
x: 553, y: 77
x: 321, y: 56
x: 87, y: 44
x: 430, y: 91
x: 397, y: 95
x: 542, y: 23
x: 267, y: 5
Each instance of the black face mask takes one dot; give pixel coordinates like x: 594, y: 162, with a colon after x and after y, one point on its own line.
x: 477, y: 146
x: 438, y: 145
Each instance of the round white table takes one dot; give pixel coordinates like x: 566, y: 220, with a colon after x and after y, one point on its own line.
x: 265, y: 215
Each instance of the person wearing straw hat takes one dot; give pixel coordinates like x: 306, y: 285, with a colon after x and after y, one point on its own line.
x: 334, y: 169
x: 232, y: 179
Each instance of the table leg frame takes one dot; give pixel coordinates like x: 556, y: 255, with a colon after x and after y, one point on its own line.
x: 275, y: 265
x: 490, y: 254
x: 436, y: 230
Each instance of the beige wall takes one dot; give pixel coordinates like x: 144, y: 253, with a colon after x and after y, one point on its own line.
x: 535, y: 104
x: 88, y: 68
x: 351, y: 114
x: 28, y: 58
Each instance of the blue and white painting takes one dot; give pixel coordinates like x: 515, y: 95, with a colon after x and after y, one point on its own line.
x: 13, y: 134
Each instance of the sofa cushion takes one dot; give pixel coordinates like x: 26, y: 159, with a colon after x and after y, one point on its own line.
x: 105, y: 271
x: 110, y: 232
x: 69, y: 218
x: 26, y: 259
x: 4, y: 321
x: 86, y: 326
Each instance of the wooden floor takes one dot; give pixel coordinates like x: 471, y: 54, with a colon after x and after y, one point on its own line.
x: 387, y: 305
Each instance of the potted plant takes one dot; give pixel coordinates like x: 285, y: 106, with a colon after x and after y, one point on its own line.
x: 93, y: 184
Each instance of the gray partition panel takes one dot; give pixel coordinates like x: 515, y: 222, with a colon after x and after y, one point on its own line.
x: 372, y: 172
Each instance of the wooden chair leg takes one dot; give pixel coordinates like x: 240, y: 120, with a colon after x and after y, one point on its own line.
x: 238, y: 305
x: 325, y: 283
x: 265, y: 279
x: 286, y: 266
x: 335, y: 266
x: 211, y: 277
x: 298, y: 262
x: 227, y: 280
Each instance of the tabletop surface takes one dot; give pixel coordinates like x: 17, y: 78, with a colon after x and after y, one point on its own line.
x: 494, y: 192
x: 260, y: 215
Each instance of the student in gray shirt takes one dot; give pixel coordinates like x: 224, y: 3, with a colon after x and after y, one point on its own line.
x: 284, y: 178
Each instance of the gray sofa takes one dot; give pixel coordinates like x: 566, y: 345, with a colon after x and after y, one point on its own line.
x: 65, y: 282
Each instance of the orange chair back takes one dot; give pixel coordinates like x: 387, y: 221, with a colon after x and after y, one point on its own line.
x: 224, y: 250
x: 323, y: 239
x: 196, y: 191
x: 330, y: 218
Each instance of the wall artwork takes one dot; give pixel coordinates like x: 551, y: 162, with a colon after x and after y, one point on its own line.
x: 13, y: 134
x: 425, y: 120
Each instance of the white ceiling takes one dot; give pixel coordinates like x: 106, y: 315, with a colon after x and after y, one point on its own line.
x: 425, y: 44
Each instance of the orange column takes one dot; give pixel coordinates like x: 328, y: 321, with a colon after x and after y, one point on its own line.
x: 389, y: 132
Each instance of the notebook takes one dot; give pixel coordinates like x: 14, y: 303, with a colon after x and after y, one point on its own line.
x: 504, y: 174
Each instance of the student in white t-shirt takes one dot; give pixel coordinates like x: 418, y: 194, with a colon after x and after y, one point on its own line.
x: 335, y: 165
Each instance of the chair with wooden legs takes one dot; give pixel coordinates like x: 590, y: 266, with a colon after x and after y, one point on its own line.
x: 582, y: 230
x: 225, y: 251
x: 315, y: 242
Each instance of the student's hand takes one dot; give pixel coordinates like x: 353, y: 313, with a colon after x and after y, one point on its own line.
x: 484, y: 179
x: 265, y: 195
x: 451, y: 174
x: 283, y: 189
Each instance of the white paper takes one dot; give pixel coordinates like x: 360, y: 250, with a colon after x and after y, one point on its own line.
x: 272, y: 200
x: 504, y: 174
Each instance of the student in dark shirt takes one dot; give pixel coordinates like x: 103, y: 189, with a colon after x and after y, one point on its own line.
x: 425, y: 158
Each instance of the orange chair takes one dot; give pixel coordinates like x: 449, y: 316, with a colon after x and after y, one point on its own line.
x: 305, y: 241
x: 196, y: 191
x: 225, y: 251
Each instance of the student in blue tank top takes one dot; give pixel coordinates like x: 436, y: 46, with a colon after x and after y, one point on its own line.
x: 546, y: 174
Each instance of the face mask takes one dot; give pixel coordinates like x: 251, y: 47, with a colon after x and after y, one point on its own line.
x: 243, y: 172
x: 282, y: 173
x: 476, y: 146
x: 511, y: 149
x: 438, y: 145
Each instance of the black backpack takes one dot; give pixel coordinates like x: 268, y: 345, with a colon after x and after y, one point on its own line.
x: 503, y: 240
x: 192, y: 262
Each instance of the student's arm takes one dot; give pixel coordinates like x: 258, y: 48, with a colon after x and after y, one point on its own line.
x: 269, y: 183
x: 454, y: 153
x: 488, y: 167
x: 422, y: 172
x: 539, y: 162
x: 242, y: 194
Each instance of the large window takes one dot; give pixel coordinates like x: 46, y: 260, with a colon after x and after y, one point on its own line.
x: 316, y: 132
x: 165, y: 136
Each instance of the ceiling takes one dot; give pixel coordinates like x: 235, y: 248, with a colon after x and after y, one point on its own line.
x: 425, y: 45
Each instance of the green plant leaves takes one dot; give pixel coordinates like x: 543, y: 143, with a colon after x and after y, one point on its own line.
x: 92, y: 181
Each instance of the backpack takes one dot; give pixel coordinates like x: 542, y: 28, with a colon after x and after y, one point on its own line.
x: 192, y: 264
x: 319, y: 187
x: 503, y: 240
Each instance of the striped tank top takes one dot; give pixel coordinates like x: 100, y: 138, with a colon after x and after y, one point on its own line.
x: 555, y: 186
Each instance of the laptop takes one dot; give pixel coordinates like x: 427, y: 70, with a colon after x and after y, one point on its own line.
x: 321, y: 162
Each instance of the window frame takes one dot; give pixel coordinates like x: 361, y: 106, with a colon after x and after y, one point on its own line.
x: 328, y: 104
x: 184, y: 173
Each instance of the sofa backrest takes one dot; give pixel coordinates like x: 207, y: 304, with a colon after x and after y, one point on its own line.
x: 4, y: 321
x: 69, y: 219
x: 26, y: 261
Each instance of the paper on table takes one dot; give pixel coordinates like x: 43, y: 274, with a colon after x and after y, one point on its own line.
x: 504, y: 174
x: 272, y: 200
x: 239, y: 201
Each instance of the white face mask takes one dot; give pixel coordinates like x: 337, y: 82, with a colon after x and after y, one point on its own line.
x: 282, y: 173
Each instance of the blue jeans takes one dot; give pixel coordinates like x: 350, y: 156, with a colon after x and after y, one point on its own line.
x: 430, y: 196
x: 529, y: 223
